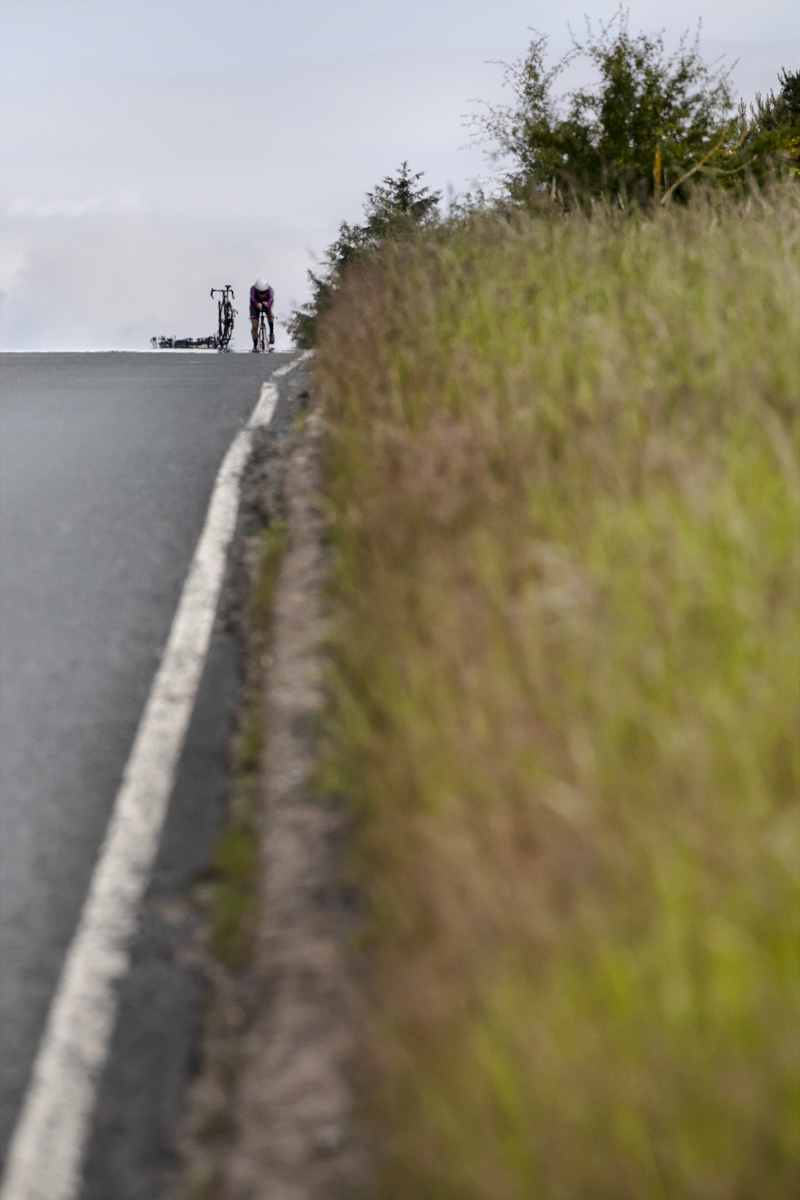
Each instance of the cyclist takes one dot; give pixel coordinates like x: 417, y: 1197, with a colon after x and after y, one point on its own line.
x: 262, y: 299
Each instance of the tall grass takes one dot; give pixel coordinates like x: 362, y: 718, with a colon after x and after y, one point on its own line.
x: 562, y: 470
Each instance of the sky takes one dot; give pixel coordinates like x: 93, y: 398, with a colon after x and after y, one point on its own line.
x: 154, y: 149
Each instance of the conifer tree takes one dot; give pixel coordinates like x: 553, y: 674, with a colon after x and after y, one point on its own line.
x: 398, y: 205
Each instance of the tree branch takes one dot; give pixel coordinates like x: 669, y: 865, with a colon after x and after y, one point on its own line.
x: 702, y: 163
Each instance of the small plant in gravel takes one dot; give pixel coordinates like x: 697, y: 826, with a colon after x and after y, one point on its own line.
x: 233, y: 893
x: 271, y: 545
x: 229, y: 888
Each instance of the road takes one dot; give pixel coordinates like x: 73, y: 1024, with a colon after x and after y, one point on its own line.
x: 107, y: 462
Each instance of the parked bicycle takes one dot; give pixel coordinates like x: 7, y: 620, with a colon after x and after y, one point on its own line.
x: 226, y: 314
x: 176, y: 343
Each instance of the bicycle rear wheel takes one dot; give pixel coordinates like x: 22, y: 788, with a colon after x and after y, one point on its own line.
x: 227, y: 327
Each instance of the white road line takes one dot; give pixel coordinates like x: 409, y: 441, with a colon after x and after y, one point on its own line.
x: 46, y: 1153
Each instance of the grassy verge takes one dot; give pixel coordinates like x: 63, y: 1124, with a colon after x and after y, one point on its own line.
x: 562, y: 470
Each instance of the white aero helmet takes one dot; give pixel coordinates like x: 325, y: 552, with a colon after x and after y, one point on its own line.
x: 261, y: 285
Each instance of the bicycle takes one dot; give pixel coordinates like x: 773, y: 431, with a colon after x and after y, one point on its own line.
x: 225, y: 316
x: 265, y: 342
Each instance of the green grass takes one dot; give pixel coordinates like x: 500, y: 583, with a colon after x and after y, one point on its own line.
x: 229, y: 889
x: 272, y: 543
x: 233, y: 894
x: 562, y: 473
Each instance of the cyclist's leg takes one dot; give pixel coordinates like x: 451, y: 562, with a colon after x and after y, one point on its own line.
x: 254, y: 328
x: 271, y: 320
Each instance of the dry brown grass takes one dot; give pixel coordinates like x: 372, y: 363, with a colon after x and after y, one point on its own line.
x: 563, y: 482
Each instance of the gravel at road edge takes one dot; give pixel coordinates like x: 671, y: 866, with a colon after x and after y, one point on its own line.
x: 270, y: 1113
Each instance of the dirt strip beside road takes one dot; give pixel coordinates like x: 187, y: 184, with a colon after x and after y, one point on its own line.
x: 286, y: 1125
x: 294, y: 1106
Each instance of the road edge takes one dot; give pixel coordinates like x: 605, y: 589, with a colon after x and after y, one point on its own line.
x: 46, y: 1150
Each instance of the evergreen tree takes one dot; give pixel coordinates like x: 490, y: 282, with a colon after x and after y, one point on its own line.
x: 774, y: 135
x: 781, y: 111
x: 396, y: 207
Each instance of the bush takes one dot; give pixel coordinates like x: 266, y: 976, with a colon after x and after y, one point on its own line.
x: 651, y: 124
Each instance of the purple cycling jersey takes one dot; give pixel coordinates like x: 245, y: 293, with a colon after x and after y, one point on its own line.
x: 266, y: 297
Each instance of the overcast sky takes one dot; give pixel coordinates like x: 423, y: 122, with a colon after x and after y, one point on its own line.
x: 152, y: 149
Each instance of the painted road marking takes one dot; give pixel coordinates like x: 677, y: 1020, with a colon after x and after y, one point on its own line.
x: 46, y: 1153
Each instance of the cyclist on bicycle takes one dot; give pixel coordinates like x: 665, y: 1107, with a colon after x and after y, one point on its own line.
x: 262, y: 299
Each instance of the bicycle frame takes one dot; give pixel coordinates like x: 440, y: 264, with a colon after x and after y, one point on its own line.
x: 263, y: 342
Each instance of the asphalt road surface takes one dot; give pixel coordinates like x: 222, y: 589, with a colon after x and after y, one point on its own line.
x: 107, y: 462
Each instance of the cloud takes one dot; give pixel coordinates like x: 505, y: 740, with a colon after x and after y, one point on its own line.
x: 114, y: 281
x: 131, y: 195
x: 23, y: 206
x: 143, y: 193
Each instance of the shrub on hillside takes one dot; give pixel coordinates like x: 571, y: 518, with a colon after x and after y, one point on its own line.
x: 651, y: 124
